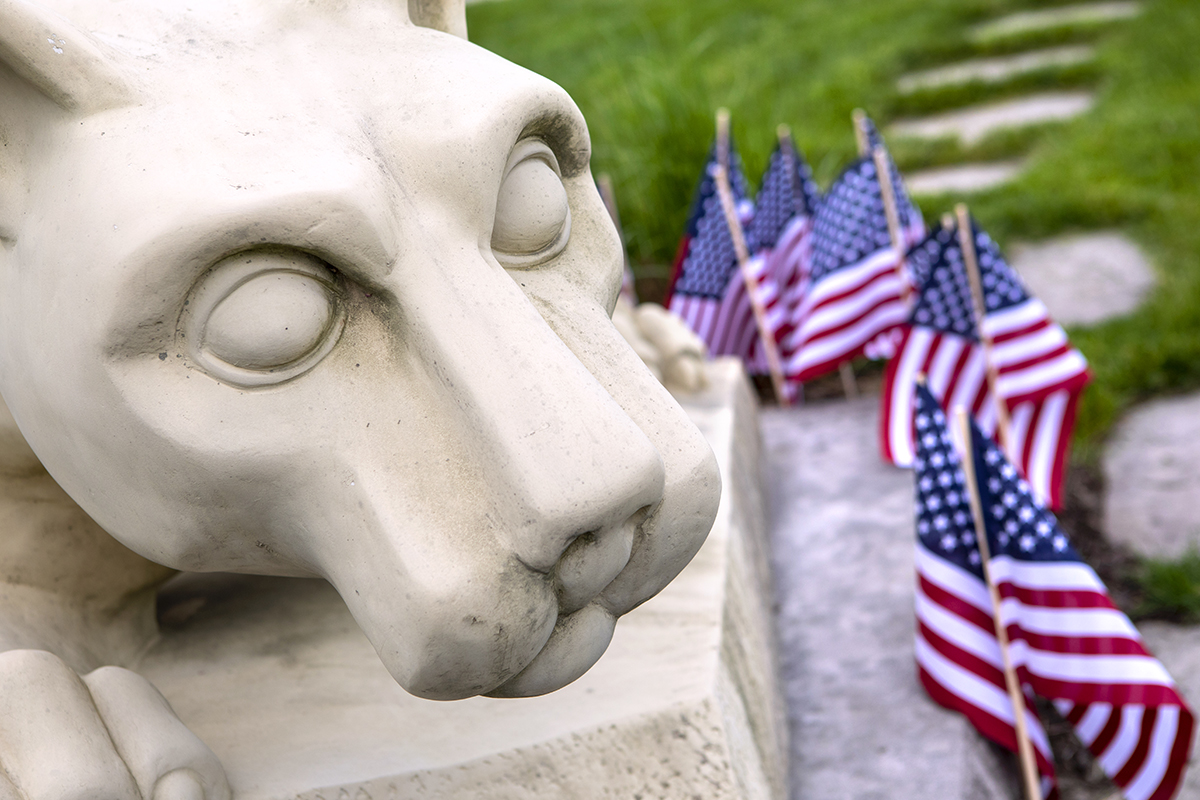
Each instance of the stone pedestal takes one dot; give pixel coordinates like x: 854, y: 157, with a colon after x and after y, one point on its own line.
x: 276, y: 677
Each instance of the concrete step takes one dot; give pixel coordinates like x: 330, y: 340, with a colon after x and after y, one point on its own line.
x: 1085, y: 279
x: 972, y: 124
x: 842, y: 540
x: 963, y: 178
x: 1024, y: 22
x: 995, y: 70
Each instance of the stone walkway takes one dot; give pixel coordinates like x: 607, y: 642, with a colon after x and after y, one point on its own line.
x: 1085, y: 278
x: 995, y: 70
x: 973, y: 124
x: 1025, y: 22
x: 963, y: 179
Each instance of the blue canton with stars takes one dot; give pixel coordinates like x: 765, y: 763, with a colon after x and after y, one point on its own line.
x: 1001, y: 286
x: 850, y: 223
x: 944, y: 523
x: 787, y: 190
x: 944, y: 297
x: 1017, y: 525
x: 711, y: 259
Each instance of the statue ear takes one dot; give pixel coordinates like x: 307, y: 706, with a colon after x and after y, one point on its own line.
x: 449, y: 16
x: 59, y: 60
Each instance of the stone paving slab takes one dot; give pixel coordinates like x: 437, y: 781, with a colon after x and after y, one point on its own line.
x: 995, y: 70
x: 972, y: 124
x: 1152, y: 467
x: 842, y: 534
x: 964, y: 178
x: 1085, y: 278
x: 1050, y: 18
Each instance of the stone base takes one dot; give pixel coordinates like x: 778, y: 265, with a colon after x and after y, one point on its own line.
x: 276, y: 677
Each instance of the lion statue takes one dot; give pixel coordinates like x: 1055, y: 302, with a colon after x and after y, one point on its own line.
x: 306, y: 288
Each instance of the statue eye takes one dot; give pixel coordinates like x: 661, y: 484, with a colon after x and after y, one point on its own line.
x: 262, y: 317
x: 533, y: 217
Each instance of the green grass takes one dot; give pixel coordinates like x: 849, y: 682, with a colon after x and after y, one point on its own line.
x: 930, y: 101
x: 1171, y: 589
x: 916, y: 154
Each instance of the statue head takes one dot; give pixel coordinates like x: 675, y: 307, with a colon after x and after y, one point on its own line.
x: 318, y: 289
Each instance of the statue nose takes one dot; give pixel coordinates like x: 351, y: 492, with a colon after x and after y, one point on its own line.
x: 571, y: 472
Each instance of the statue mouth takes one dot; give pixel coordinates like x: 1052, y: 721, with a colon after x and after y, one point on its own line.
x: 577, y: 642
x: 584, y: 627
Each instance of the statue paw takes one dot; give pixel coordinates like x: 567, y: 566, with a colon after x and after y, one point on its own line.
x: 665, y: 343
x: 106, y: 734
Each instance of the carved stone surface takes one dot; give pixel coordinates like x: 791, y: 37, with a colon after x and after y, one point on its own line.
x: 684, y: 704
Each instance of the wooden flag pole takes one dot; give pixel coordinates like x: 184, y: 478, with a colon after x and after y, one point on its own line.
x: 888, y: 191
x: 860, y: 131
x: 1029, y: 773
x: 604, y: 184
x: 966, y: 240
x: 859, y: 118
x: 784, y: 134
x: 725, y: 193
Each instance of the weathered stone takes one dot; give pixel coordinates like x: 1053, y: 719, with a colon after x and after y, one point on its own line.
x: 1085, y: 278
x: 965, y: 178
x: 995, y: 70
x: 842, y: 536
x: 973, y: 123
x: 1024, y: 22
x: 1153, y: 469
x: 685, y: 703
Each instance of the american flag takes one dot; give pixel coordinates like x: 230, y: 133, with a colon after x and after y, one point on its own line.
x: 1068, y: 642
x: 707, y: 289
x: 854, y: 292
x: 780, y: 239
x: 1040, y: 376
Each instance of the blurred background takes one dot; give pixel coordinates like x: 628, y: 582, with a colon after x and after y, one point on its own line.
x: 1103, y: 106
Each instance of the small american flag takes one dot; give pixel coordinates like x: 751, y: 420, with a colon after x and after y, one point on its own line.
x: 780, y: 239
x: 707, y: 289
x: 854, y: 292
x: 1040, y: 376
x: 1068, y: 642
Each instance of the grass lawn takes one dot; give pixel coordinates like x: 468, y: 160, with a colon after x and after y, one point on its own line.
x: 648, y: 75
